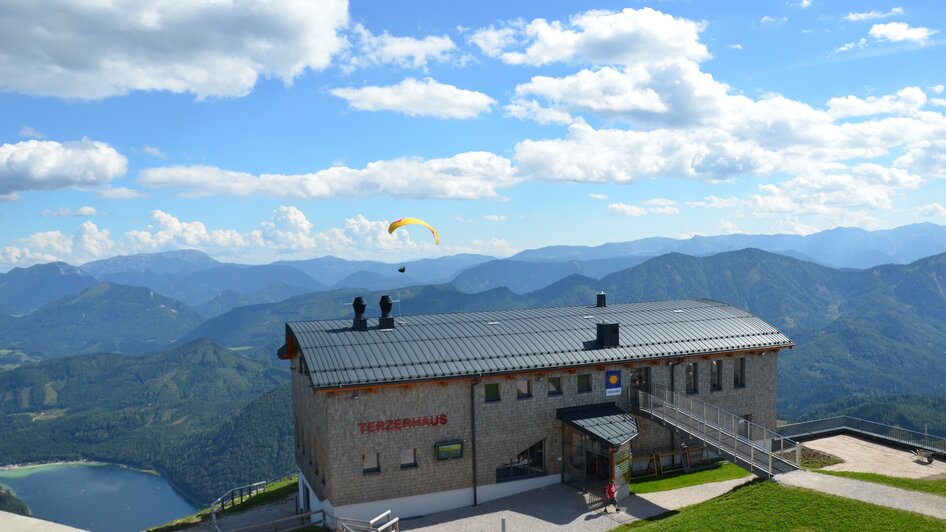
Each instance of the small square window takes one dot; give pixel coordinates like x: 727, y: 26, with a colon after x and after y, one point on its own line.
x: 408, y: 458
x: 555, y: 386
x: 372, y: 463
x: 584, y: 383
x: 524, y: 389
x: 492, y: 392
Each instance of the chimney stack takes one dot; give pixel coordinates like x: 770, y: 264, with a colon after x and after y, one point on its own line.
x: 360, y: 323
x: 602, y: 300
x: 609, y: 335
x: 386, y: 321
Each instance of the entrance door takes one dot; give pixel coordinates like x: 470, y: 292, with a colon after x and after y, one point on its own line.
x: 587, y: 463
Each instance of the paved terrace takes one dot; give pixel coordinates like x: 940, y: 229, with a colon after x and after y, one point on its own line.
x: 561, y: 507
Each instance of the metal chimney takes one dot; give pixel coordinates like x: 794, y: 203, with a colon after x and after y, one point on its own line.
x: 360, y: 323
x: 386, y: 321
x: 602, y: 300
x: 609, y: 335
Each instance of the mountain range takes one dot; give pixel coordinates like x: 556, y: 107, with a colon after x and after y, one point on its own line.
x: 869, y: 341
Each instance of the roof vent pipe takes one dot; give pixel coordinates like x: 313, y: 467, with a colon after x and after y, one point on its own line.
x: 609, y: 335
x: 386, y: 321
x: 602, y: 300
x: 360, y: 323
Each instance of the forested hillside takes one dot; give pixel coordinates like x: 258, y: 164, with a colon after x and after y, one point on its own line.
x: 163, y: 411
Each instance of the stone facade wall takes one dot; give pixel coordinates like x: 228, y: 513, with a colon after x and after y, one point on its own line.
x: 343, y: 429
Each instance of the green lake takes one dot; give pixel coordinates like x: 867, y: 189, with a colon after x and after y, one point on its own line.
x: 96, y: 497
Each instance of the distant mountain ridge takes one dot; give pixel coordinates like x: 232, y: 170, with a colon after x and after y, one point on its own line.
x: 103, y: 317
x: 23, y: 290
x: 842, y: 247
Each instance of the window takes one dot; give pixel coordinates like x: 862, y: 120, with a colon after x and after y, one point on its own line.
x: 408, y: 458
x: 528, y: 463
x: 524, y: 389
x: 584, y: 383
x: 492, y: 392
x: 372, y: 463
x: 449, y: 449
x: 692, y: 378
x: 739, y: 373
x: 716, y: 375
x: 555, y: 386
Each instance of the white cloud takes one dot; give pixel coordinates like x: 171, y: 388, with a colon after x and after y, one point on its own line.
x: 418, y: 98
x: 120, y: 193
x: 715, y: 202
x: 471, y: 175
x: 286, y: 233
x: 168, y: 232
x: 927, y: 157
x: 905, y: 101
x: 494, y: 218
x: 804, y: 4
x: 88, y: 242
x: 662, y: 206
x: 92, y: 50
x: 728, y: 228
x: 939, y: 102
x: 154, y: 152
x: 49, y: 165
x: 31, y: 133
x: 767, y: 20
x: 604, y: 89
x: 938, y: 89
x: 406, y: 52
x: 734, y: 46
x: 623, y: 209
x: 859, y: 44
x: 872, y: 15
x: 901, y: 31
x: 533, y: 110
x: 597, y: 37
x: 596, y: 196
x: 64, y: 211
x: 492, y: 41
x: 614, y: 155
x: 932, y: 210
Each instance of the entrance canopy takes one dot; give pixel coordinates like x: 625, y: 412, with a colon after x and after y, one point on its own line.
x: 604, y: 422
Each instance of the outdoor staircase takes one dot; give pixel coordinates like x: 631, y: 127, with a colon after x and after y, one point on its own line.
x: 748, y: 445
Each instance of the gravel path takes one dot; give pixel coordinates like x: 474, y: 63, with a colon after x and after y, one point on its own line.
x: 911, y: 501
x: 560, y: 507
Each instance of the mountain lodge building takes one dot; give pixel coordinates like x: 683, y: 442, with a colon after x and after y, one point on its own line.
x: 419, y: 414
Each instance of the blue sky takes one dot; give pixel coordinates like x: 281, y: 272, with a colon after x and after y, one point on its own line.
x: 259, y: 131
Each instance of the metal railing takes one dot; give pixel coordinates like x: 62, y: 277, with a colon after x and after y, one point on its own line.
x: 912, y: 438
x: 383, y: 523
x: 238, y: 495
x: 287, y: 523
x: 751, y: 446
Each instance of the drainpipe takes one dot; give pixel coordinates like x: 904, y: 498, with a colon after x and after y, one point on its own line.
x: 473, y: 431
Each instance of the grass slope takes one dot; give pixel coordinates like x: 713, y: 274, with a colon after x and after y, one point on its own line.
x: 720, y: 471
x: 766, y: 506
x: 935, y: 486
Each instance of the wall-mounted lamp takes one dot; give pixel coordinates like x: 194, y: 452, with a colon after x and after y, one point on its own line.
x: 355, y: 395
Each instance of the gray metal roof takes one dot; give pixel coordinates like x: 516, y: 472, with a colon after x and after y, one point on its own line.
x: 605, y: 422
x: 437, y: 346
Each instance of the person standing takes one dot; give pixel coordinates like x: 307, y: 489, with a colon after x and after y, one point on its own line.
x: 610, y: 493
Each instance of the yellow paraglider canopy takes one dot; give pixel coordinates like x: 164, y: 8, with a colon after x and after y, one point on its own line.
x: 414, y: 221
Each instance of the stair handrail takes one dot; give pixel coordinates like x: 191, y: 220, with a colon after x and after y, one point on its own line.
x: 755, y: 433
